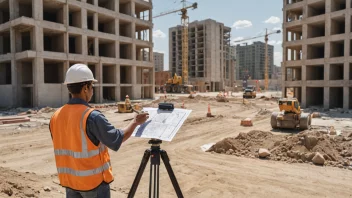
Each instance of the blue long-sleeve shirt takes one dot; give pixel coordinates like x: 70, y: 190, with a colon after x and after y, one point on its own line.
x: 99, y: 129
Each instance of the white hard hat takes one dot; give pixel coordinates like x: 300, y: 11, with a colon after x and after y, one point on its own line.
x: 79, y: 73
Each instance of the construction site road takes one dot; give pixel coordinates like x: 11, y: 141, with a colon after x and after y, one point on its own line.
x: 27, y: 166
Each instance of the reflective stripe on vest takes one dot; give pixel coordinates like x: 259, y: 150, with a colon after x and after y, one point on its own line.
x: 84, y: 154
x: 106, y: 166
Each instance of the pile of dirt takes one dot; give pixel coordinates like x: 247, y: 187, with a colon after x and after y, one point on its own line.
x: 15, y: 184
x: 294, y: 148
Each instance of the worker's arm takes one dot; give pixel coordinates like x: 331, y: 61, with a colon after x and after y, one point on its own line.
x: 138, y: 120
x: 99, y: 129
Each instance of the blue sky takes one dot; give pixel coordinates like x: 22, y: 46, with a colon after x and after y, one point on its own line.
x: 247, y: 18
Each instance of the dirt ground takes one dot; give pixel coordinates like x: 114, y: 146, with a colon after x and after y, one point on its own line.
x: 27, y: 166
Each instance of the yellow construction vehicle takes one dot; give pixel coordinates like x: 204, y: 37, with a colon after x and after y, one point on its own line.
x: 127, y: 107
x: 249, y: 92
x: 290, y: 115
x: 174, y: 85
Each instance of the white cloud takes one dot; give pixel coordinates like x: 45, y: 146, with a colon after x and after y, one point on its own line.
x: 277, y: 58
x: 278, y: 42
x: 159, y: 34
x: 240, y: 24
x: 273, y: 20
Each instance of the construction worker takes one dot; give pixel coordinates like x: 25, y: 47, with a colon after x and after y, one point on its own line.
x: 81, y: 137
x: 128, y: 102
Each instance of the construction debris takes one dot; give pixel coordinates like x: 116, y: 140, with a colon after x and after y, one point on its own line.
x: 307, y: 146
x: 13, y: 120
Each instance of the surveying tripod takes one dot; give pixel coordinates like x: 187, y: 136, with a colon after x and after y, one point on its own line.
x: 154, y: 153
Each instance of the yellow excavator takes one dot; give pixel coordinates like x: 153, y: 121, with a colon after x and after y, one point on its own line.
x: 290, y: 115
x: 174, y: 85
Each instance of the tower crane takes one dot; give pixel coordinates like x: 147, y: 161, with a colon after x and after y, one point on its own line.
x: 266, y: 35
x: 184, y: 23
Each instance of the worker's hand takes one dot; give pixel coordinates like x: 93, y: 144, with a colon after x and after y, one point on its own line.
x: 141, y: 118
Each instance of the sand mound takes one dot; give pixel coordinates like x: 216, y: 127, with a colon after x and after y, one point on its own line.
x: 301, y: 147
x: 15, y: 184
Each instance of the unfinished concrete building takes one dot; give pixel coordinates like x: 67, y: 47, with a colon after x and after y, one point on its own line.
x: 251, y: 61
x: 317, y: 62
x: 209, y: 65
x: 41, y: 39
x: 158, y: 61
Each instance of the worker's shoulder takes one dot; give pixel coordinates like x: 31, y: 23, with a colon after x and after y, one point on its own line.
x: 96, y: 114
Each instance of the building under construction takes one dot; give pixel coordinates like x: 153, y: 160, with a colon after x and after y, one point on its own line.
x: 210, y: 65
x: 317, y: 64
x: 41, y: 39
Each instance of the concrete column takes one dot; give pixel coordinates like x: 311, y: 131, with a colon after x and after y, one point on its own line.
x: 326, y: 73
x: 84, y: 45
x: 66, y: 15
x: 96, y: 47
x: 117, y: 49
x: 37, y: 9
x: 326, y: 97
x: 13, y: 40
x: 84, y: 17
x: 95, y: 22
x: 38, y: 39
x: 95, y: 2
x: 134, y: 82
x: 150, y: 15
x: 328, y: 6
x: 304, y: 75
x: 118, y: 85
x: 327, y: 49
x: 14, y: 82
x: 117, y: 6
x: 100, y: 73
x: 346, y: 72
x: 133, y: 8
x: 38, y: 79
x: 14, y: 9
x: 304, y: 97
x: 134, y: 51
x: 117, y: 28
x: 346, y: 99
x: 66, y: 43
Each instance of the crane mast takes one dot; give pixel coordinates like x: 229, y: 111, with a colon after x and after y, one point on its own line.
x: 184, y: 22
x: 184, y: 25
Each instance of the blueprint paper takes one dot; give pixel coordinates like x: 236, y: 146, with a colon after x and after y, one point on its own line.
x: 161, y: 124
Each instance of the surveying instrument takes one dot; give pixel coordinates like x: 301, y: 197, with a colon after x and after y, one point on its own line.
x: 155, y: 153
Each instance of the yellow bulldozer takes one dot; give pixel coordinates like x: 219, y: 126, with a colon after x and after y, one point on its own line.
x: 127, y: 107
x: 174, y: 85
x: 290, y: 115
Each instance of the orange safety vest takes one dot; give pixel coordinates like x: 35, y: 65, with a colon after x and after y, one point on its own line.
x: 80, y: 164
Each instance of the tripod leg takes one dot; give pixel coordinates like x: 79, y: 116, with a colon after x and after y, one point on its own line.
x: 139, y: 173
x: 172, y: 176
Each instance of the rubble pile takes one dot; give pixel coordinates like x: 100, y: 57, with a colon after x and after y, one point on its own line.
x: 313, y: 147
